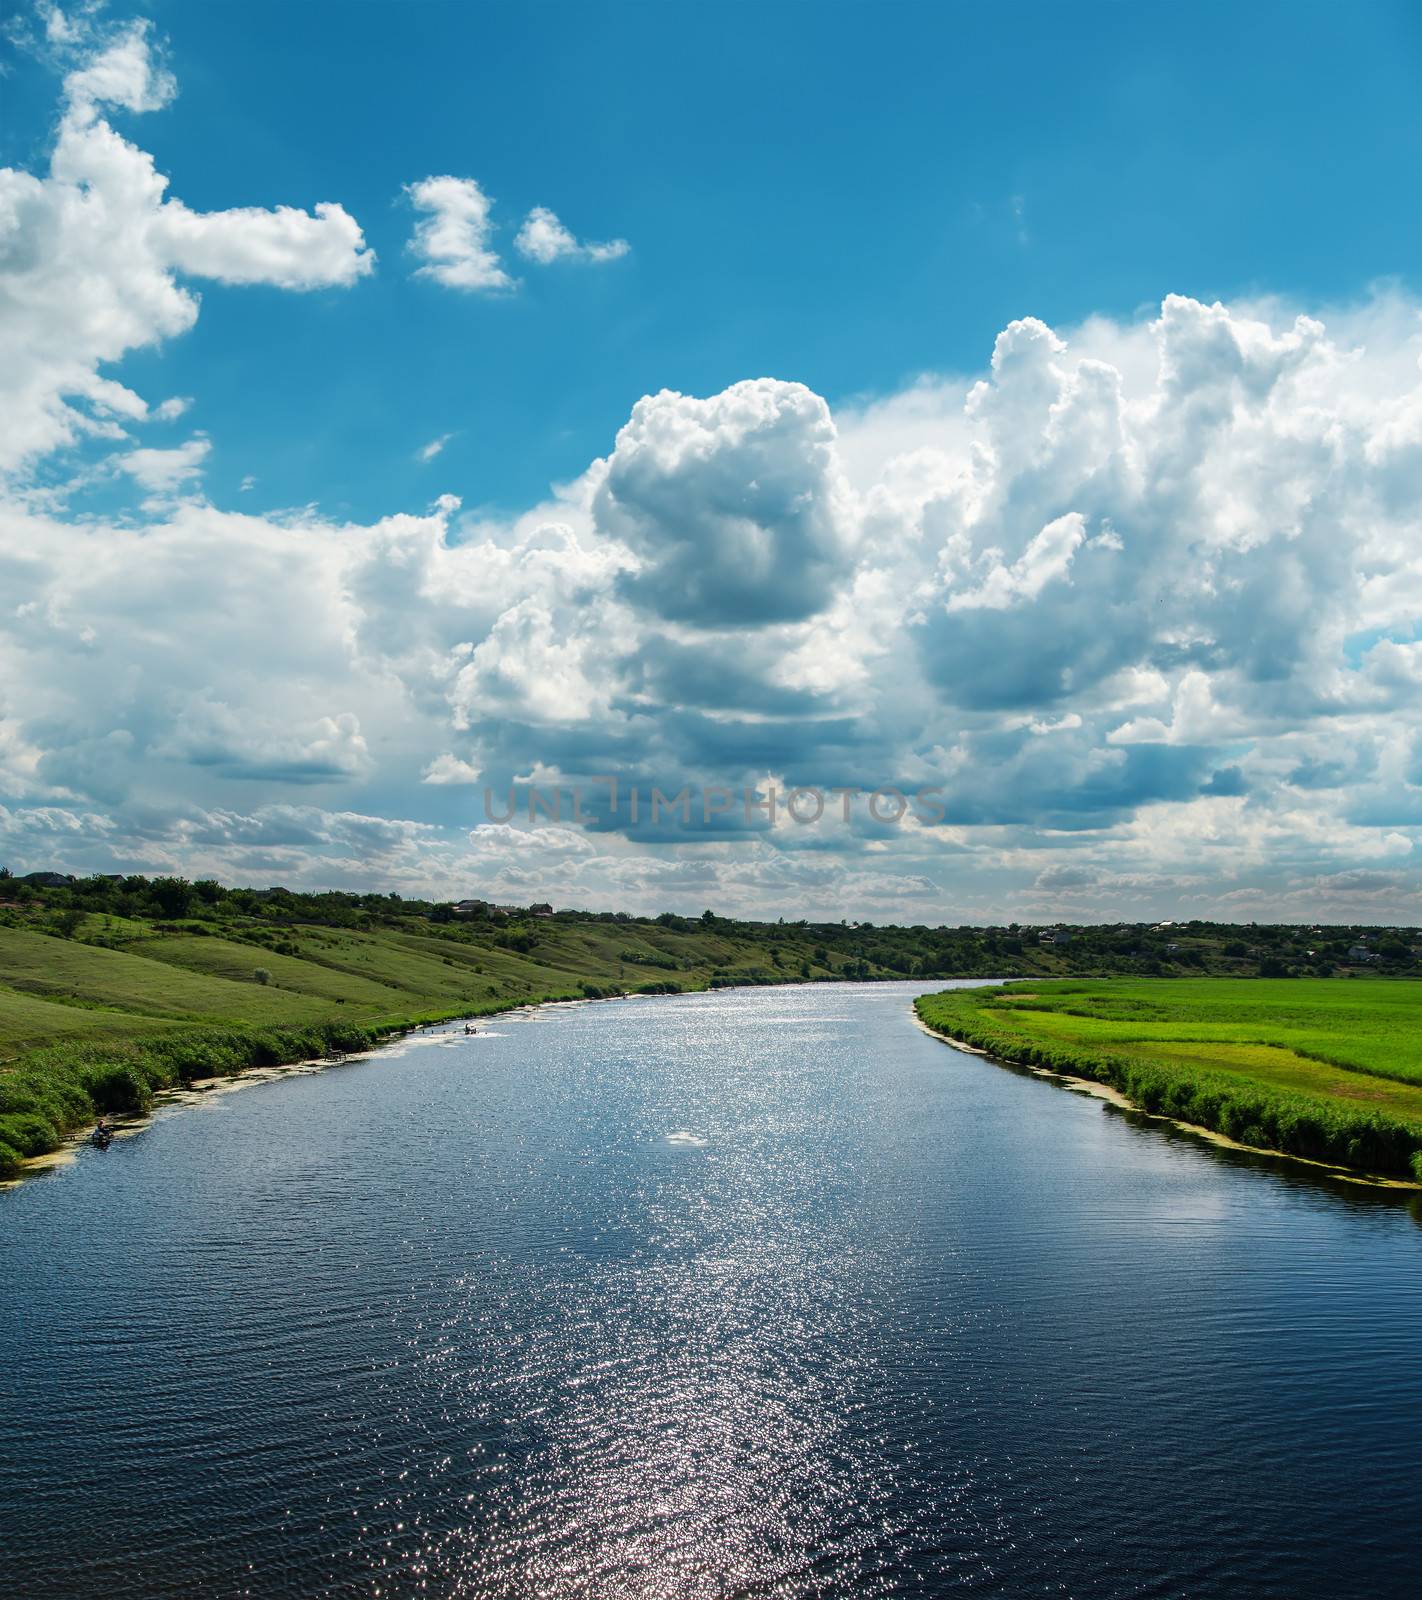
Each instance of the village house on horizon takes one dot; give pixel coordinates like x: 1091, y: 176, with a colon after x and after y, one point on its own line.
x: 487, y: 908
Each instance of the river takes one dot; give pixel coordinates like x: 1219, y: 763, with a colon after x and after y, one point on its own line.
x: 751, y: 1293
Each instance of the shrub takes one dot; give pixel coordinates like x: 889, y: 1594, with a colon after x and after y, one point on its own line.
x: 646, y: 958
x: 28, y: 1133
x: 117, y: 1087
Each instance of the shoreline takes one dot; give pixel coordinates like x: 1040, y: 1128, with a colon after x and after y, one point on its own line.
x: 1112, y: 1096
x: 196, y: 1090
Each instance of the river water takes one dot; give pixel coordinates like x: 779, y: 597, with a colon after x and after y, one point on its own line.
x: 753, y: 1293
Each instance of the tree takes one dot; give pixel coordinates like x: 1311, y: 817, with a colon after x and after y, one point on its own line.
x: 172, y: 896
x: 261, y: 975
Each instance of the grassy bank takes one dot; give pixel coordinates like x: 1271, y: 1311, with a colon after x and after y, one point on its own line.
x: 1324, y: 1069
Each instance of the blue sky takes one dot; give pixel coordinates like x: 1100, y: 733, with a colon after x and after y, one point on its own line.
x: 1018, y: 401
x: 843, y: 195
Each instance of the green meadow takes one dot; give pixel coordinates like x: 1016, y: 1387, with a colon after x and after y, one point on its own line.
x: 1329, y: 1069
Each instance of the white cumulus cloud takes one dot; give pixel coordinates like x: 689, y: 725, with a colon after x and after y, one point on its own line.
x: 91, y: 254
x: 735, y: 506
x: 289, y: 248
x: 160, y: 470
x: 543, y: 238
x: 452, y: 238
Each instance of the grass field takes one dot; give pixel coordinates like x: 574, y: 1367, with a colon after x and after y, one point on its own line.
x: 1330, y: 1069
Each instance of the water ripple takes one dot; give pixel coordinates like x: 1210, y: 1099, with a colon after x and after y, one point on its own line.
x: 736, y: 1295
